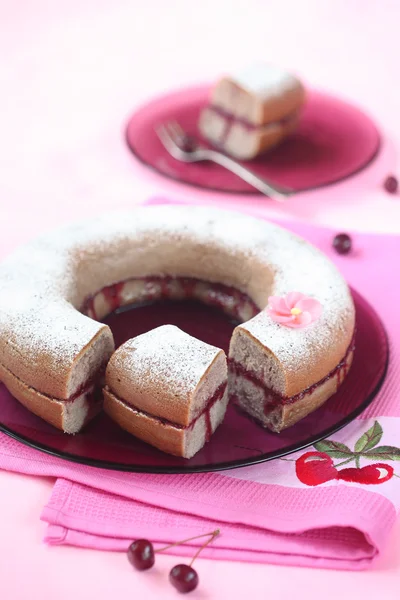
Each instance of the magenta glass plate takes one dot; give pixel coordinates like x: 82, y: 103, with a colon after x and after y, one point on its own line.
x: 334, y: 140
x: 238, y: 441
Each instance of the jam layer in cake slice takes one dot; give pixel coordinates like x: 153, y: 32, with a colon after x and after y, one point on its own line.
x: 252, y: 110
x: 168, y: 389
x: 260, y: 387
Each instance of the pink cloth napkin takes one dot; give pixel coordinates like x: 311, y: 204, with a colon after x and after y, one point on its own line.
x: 264, y: 512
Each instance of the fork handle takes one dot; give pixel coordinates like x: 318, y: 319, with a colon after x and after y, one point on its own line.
x: 273, y: 191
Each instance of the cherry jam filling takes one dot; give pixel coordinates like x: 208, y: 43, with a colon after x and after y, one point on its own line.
x: 91, y: 388
x: 231, y: 119
x: 273, y: 398
x: 213, y: 399
x: 247, y: 124
x: 224, y: 297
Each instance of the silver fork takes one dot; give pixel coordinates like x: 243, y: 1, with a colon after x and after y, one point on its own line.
x: 185, y: 148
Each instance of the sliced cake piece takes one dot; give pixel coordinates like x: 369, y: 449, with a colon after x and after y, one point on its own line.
x: 252, y: 110
x: 168, y: 389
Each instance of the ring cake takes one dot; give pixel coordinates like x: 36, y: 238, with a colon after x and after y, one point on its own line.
x: 168, y: 389
x: 252, y: 111
x: 53, y: 352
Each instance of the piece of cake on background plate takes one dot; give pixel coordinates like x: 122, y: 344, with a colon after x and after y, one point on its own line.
x: 252, y: 110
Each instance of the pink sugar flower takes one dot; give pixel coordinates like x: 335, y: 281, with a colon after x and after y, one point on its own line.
x: 294, y: 310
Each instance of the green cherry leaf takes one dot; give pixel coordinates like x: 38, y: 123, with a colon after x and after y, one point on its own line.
x: 334, y: 449
x: 383, y: 452
x: 370, y: 438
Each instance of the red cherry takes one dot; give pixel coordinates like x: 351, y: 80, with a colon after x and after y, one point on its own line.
x: 371, y: 474
x: 314, y: 468
x: 342, y: 243
x: 141, y: 555
x: 391, y: 184
x: 184, y: 578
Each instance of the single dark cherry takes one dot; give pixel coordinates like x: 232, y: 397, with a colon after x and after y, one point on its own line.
x: 184, y: 578
x: 342, y: 243
x: 391, y: 184
x: 141, y: 555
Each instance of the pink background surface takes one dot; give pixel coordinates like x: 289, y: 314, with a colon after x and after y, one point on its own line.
x: 71, y: 73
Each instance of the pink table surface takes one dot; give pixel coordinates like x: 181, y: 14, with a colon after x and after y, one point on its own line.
x: 70, y: 74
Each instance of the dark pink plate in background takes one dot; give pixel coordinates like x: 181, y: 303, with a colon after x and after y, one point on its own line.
x: 334, y: 140
x: 238, y: 441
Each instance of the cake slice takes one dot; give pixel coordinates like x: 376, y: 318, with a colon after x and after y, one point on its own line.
x: 261, y: 386
x: 252, y: 111
x: 168, y: 389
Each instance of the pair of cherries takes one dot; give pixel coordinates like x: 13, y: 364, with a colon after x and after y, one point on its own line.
x: 184, y: 578
x: 314, y: 468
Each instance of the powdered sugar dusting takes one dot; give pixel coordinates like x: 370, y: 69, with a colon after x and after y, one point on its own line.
x: 309, y: 272
x: 266, y: 80
x: 168, y: 357
x: 43, y: 283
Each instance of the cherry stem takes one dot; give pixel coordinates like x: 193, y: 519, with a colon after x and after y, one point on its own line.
x: 211, y: 535
x: 357, y: 462
x: 394, y: 475
x: 289, y: 459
